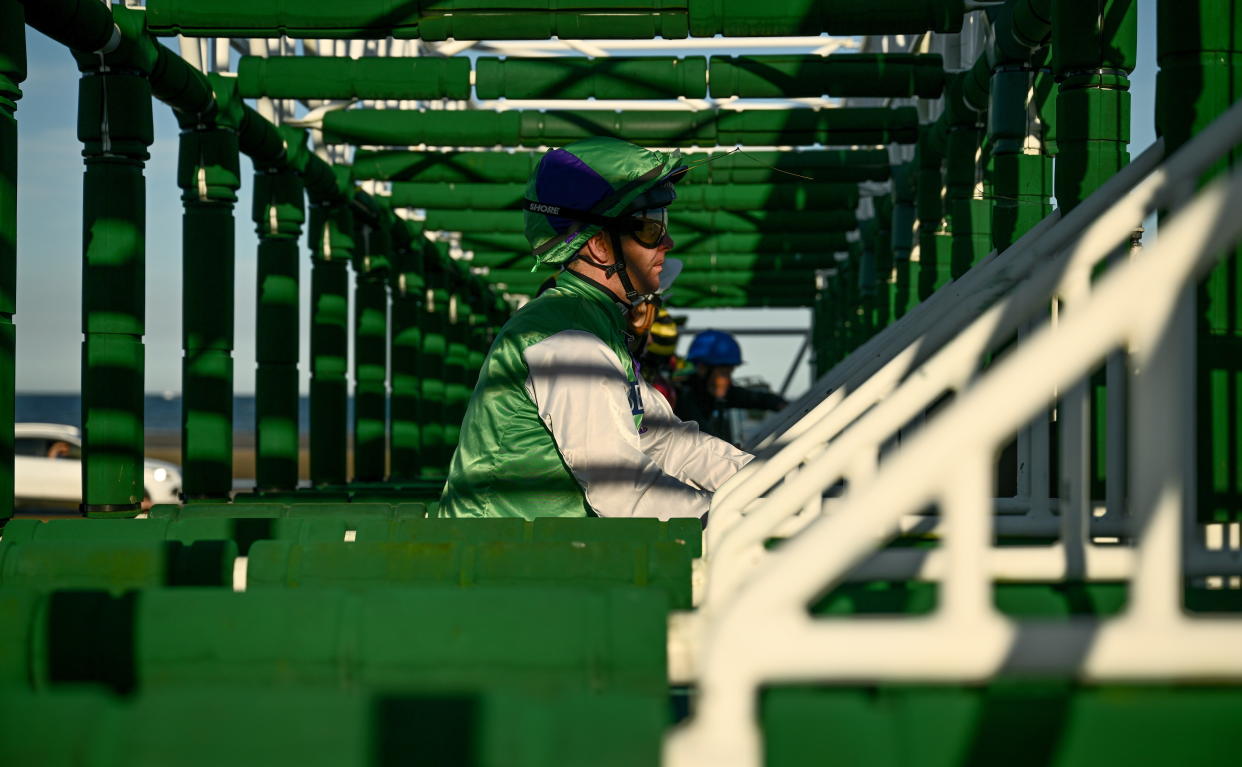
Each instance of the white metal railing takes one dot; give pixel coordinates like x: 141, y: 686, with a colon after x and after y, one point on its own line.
x: 880, y: 391
x: 1143, y: 308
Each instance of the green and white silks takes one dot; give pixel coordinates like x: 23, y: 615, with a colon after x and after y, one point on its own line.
x: 561, y: 425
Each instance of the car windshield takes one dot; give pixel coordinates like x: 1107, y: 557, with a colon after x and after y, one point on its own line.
x: 45, y: 447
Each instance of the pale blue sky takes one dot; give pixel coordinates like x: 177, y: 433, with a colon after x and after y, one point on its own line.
x: 49, y: 240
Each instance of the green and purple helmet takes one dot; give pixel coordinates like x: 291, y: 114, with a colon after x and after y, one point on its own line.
x: 593, y: 181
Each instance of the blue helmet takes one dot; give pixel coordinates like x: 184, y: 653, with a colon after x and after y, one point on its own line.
x: 714, y: 347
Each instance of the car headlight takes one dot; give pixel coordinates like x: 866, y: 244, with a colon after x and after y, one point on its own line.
x: 160, y: 474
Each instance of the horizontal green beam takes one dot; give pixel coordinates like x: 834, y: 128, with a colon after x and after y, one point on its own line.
x: 327, y: 77
x: 756, y: 279
x: 436, y: 20
x: 500, y: 259
x: 698, y: 242
x: 891, y: 75
x: 741, y: 197
x: 682, y: 223
x: 767, y: 127
x: 655, y: 77
x: 827, y: 165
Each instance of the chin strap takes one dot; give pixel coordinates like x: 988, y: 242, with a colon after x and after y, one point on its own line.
x: 633, y: 299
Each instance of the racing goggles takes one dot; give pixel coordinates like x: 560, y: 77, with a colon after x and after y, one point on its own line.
x: 647, y: 227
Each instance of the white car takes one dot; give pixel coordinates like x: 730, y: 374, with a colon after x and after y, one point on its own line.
x: 47, y: 468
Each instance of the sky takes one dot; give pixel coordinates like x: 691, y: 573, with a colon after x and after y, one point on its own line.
x: 50, y: 244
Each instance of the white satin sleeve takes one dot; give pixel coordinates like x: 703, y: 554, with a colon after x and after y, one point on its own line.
x: 683, y: 451
x: 582, y: 394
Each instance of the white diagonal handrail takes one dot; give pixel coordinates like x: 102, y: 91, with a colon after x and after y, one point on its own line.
x: 1101, y: 222
x: 765, y: 634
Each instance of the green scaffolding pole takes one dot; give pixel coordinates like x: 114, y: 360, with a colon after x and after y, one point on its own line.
x: 279, y: 211
x: 436, y: 20
x: 371, y: 265
x: 332, y: 244
x: 209, y: 175
x: 12, y: 73
x: 433, y: 361
x: 406, y: 348
x: 935, y: 243
x: 904, y: 215
x: 1199, y: 49
x: 115, y: 127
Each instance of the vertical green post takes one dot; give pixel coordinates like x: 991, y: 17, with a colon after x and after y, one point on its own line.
x: 371, y: 262
x: 1199, y: 49
x: 904, y: 215
x: 278, y: 211
x: 12, y: 73
x: 883, y: 247
x: 209, y: 175
x: 935, y: 242
x: 332, y: 244
x: 1094, y: 45
x: 432, y: 368
x: 115, y: 127
x: 1094, y: 48
x: 1019, y: 127
x: 968, y: 209
x: 407, y: 340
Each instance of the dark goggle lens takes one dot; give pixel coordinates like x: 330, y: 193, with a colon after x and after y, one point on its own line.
x: 649, y: 232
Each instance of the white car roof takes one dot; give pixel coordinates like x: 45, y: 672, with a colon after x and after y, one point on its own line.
x: 48, y: 430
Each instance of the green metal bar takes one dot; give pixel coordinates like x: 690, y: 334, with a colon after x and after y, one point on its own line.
x: 682, y: 222
x: 371, y: 260
x: 279, y: 212
x: 855, y: 125
x: 331, y: 236
x: 892, y: 75
x: 1199, y: 49
x: 1094, y: 49
x: 654, y: 77
x: 12, y: 73
x: 968, y: 211
x: 435, y: 449
x: 209, y: 175
x: 804, y: 196
x: 687, y: 242
x: 490, y: 167
x: 904, y: 215
x: 436, y: 20
x: 327, y: 77
x: 935, y: 243
x: 115, y: 127
x: 405, y: 352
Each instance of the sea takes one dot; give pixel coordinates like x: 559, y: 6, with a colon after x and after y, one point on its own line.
x: 161, y: 412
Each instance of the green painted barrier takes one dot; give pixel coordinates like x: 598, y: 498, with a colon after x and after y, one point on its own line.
x: 436, y: 20
x: 663, y: 565
x: 485, y: 727
x: 328, y: 77
x: 115, y: 565
x: 708, y: 128
x: 548, y: 639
